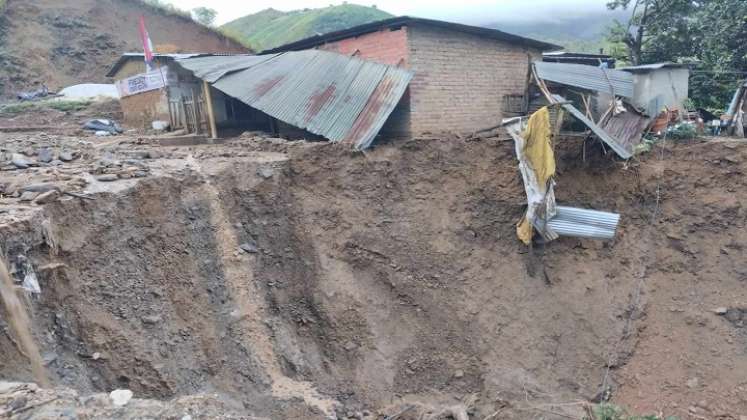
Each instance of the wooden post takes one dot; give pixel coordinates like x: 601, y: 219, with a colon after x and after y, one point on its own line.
x: 211, y: 116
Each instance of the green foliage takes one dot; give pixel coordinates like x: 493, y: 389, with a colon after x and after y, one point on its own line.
x: 204, y: 15
x: 607, y: 411
x: 271, y: 28
x: 60, y: 105
x: 712, y: 33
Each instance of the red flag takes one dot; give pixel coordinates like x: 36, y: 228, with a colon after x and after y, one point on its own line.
x: 147, y: 44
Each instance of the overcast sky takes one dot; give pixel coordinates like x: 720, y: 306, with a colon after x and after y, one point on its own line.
x: 464, y: 11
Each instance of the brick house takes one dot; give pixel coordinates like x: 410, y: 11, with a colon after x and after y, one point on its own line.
x: 466, y: 77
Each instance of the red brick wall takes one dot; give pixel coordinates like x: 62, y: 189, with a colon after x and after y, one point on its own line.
x: 385, y: 46
x: 460, y: 79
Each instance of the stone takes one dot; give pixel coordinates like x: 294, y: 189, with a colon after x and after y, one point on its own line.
x: 722, y: 310
x: 249, y: 247
x: 96, y: 356
x: 107, y: 177
x: 120, y: 397
x: 20, y: 161
x: 350, y: 346
x: 56, y: 162
x: 47, y: 197
x: 29, y: 196
x: 151, y: 319
x: 66, y: 156
x: 692, y: 383
x: 45, y: 155
x: 459, y: 374
x: 265, y: 172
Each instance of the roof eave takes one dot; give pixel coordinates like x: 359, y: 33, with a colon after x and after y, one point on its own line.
x: 404, y: 20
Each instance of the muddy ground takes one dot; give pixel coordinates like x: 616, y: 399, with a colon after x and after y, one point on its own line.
x: 305, y: 280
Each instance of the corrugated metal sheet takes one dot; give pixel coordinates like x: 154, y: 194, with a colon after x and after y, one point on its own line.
x: 339, y: 97
x: 615, y: 144
x: 614, y: 82
x: 656, y: 66
x: 582, y: 223
x: 627, y: 128
x: 213, y: 68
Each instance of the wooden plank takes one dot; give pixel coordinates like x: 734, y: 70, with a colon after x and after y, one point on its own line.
x: 211, y: 115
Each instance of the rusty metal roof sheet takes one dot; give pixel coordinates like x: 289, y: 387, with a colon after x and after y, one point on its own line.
x: 614, y: 143
x: 211, y: 69
x: 614, y: 82
x: 627, y: 127
x: 339, y: 97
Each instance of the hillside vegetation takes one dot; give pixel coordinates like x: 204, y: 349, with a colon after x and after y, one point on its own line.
x: 270, y: 28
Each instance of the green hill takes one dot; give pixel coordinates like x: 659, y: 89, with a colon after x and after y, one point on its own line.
x: 271, y: 28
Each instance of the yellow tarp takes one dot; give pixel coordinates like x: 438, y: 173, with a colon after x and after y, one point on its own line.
x: 539, y: 153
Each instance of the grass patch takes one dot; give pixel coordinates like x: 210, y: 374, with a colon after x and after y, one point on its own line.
x: 59, y: 105
x: 606, y: 411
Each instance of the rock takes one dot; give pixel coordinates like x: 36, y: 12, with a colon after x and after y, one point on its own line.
x: 107, y: 177
x: 96, y: 356
x: 56, y: 162
x: 734, y: 315
x: 265, y: 172
x: 120, y: 397
x: 18, y: 403
x: 249, y: 247
x: 40, y: 187
x: 151, y: 319
x: 350, y: 346
x: 29, y: 196
x: 721, y: 310
x: 45, y: 155
x: 47, y: 197
x: 187, y: 417
x: 459, y: 374
x: 692, y: 383
x: 20, y: 161
x: 66, y: 156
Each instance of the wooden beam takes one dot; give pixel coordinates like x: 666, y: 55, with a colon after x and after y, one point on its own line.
x: 211, y: 115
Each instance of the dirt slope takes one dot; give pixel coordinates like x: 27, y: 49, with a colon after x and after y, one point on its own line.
x: 393, y: 278
x: 64, y: 42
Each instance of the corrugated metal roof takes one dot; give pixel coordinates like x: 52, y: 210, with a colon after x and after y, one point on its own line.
x: 615, y: 144
x: 582, y: 223
x: 336, y: 96
x: 614, y: 82
x: 399, y: 21
x: 211, y: 69
x: 627, y: 127
x: 139, y: 55
x: 656, y: 66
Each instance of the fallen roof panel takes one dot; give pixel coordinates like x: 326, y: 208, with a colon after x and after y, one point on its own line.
x: 211, y: 69
x: 336, y: 96
x: 619, y: 148
x: 614, y: 82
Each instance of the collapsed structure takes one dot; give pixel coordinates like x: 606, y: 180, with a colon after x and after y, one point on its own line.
x: 462, y: 79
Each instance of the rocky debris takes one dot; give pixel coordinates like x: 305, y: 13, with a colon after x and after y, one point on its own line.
x: 66, y: 156
x: 47, y: 197
x: 28, y: 401
x: 249, y: 247
x: 28, y: 196
x: 20, y: 161
x: 45, y: 155
x: 120, y: 397
x: 151, y: 319
x: 107, y: 177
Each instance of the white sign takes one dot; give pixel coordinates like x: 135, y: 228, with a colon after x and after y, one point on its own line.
x: 142, y: 82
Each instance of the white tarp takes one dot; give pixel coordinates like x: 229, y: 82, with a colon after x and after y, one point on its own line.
x: 143, y: 82
x: 90, y: 91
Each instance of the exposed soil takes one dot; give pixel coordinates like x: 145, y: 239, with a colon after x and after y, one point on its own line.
x: 303, y: 280
x: 66, y: 42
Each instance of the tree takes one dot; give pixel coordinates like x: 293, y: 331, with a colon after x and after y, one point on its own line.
x: 204, y: 15
x: 653, y: 27
x: 711, y: 33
